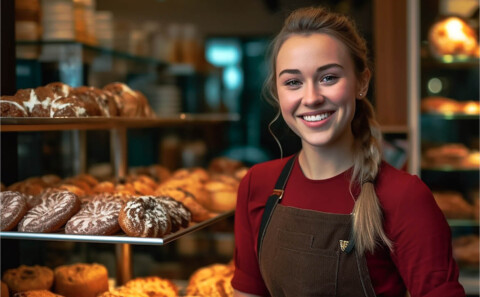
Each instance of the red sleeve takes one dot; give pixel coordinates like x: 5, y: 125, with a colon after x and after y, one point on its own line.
x: 422, y: 243
x: 247, y: 277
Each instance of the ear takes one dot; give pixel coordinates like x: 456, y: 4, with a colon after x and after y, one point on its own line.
x: 362, y: 84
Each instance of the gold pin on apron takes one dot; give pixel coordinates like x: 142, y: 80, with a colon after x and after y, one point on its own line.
x: 343, y: 244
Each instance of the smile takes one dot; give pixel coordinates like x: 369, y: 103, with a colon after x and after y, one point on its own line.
x: 317, y: 117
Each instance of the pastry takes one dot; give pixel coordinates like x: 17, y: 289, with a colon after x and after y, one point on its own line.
x: 144, y: 216
x: 26, y: 278
x: 54, y: 210
x: 106, y: 102
x: 153, y: 286
x: 59, y: 89
x: 124, y: 292
x: 452, y: 36
x: 97, y: 217
x: 442, y: 105
x: 13, y: 206
x: 36, y: 293
x: 212, y: 280
x: 69, y: 107
x: 36, y: 101
x: 199, y: 212
x: 126, y: 99
x: 4, y: 292
x: 180, y: 216
x: 10, y: 106
x: 453, y: 205
x: 81, y: 280
x: 88, y: 98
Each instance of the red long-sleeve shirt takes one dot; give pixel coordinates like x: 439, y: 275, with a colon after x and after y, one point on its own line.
x: 421, y: 261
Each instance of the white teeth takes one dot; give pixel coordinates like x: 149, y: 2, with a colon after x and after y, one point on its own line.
x: 318, y: 117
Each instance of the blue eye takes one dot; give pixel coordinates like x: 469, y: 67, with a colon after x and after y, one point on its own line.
x: 329, y: 78
x: 293, y: 83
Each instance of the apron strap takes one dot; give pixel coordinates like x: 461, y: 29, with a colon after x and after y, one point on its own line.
x: 274, y: 199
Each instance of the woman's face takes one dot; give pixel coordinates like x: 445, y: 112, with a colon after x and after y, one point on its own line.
x: 317, y: 87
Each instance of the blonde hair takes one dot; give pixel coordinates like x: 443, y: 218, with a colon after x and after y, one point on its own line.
x: 367, y: 213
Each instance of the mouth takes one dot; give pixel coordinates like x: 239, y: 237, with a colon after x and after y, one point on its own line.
x: 316, y: 117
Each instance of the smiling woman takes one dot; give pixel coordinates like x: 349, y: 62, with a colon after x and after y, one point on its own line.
x: 334, y: 219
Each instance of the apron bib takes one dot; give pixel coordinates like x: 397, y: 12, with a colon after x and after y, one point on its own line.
x: 309, y: 253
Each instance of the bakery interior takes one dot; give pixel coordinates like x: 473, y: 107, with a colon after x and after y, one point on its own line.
x: 196, y: 68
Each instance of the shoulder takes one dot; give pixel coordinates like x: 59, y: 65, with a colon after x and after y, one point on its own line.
x: 273, y: 167
x: 395, y: 187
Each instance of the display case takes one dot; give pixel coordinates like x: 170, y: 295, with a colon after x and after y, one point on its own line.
x: 124, y: 137
x: 444, y: 118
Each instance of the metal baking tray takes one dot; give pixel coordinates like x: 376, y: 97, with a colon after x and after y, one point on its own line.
x: 118, y: 238
x: 96, y: 123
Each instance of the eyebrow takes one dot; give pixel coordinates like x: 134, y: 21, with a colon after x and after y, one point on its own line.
x: 319, y: 69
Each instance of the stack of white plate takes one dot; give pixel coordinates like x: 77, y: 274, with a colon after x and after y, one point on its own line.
x: 57, y: 20
x: 165, y: 100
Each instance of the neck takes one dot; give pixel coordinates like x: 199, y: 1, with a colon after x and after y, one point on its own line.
x: 321, y: 163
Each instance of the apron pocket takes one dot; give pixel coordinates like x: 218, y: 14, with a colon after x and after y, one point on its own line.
x: 307, y: 273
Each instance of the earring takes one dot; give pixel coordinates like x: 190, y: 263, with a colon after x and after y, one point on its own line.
x: 361, y: 94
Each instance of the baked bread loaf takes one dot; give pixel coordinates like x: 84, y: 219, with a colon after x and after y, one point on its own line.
x: 452, y: 36
x: 36, y: 293
x: 453, y: 205
x: 443, y: 105
x: 144, y: 216
x: 4, y: 289
x: 128, y: 103
x: 466, y: 250
x: 54, y: 210
x: 25, y: 278
x: 68, y: 107
x: 10, y: 106
x: 36, y: 101
x: 198, y: 211
x: 212, y: 280
x: 97, y: 217
x: 180, y: 216
x: 124, y: 292
x: 13, y: 206
x: 153, y: 286
x: 81, y: 280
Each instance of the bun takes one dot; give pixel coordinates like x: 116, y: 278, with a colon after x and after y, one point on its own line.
x: 97, y: 217
x: 443, y: 42
x: 180, y: 216
x: 128, y: 102
x: 36, y: 293
x: 81, y: 280
x: 153, y: 286
x: 13, y: 206
x: 10, y: 106
x: 54, y: 210
x: 144, y: 216
x: 25, y: 278
x: 4, y: 291
x: 212, y: 280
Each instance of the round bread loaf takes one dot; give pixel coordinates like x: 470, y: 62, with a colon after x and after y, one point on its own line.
x: 154, y: 286
x: 25, y: 278
x: 212, y: 280
x: 88, y: 97
x: 59, y: 89
x: 97, y: 217
x: 124, y: 292
x: 180, y: 216
x: 36, y: 293
x: 106, y: 102
x: 81, y: 280
x: 4, y: 289
x: 54, y: 210
x: 13, y: 206
x: 144, y: 216
x: 127, y: 101
x: 10, y: 106
x: 68, y: 107
x: 199, y: 212
x: 36, y: 101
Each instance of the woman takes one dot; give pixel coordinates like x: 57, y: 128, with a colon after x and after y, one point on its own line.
x: 338, y: 221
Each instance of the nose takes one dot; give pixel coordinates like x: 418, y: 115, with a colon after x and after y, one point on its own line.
x: 312, y: 95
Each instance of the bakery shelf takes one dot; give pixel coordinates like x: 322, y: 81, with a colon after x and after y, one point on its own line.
x: 463, y: 223
x: 102, y: 123
x: 451, y: 116
x: 450, y: 169
x: 96, y: 50
x: 118, y: 239
x: 451, y: 61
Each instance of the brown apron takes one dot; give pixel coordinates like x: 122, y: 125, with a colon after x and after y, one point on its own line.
x: 309, y: 253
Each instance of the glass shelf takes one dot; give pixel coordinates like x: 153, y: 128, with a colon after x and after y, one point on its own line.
x: 95, y: 50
